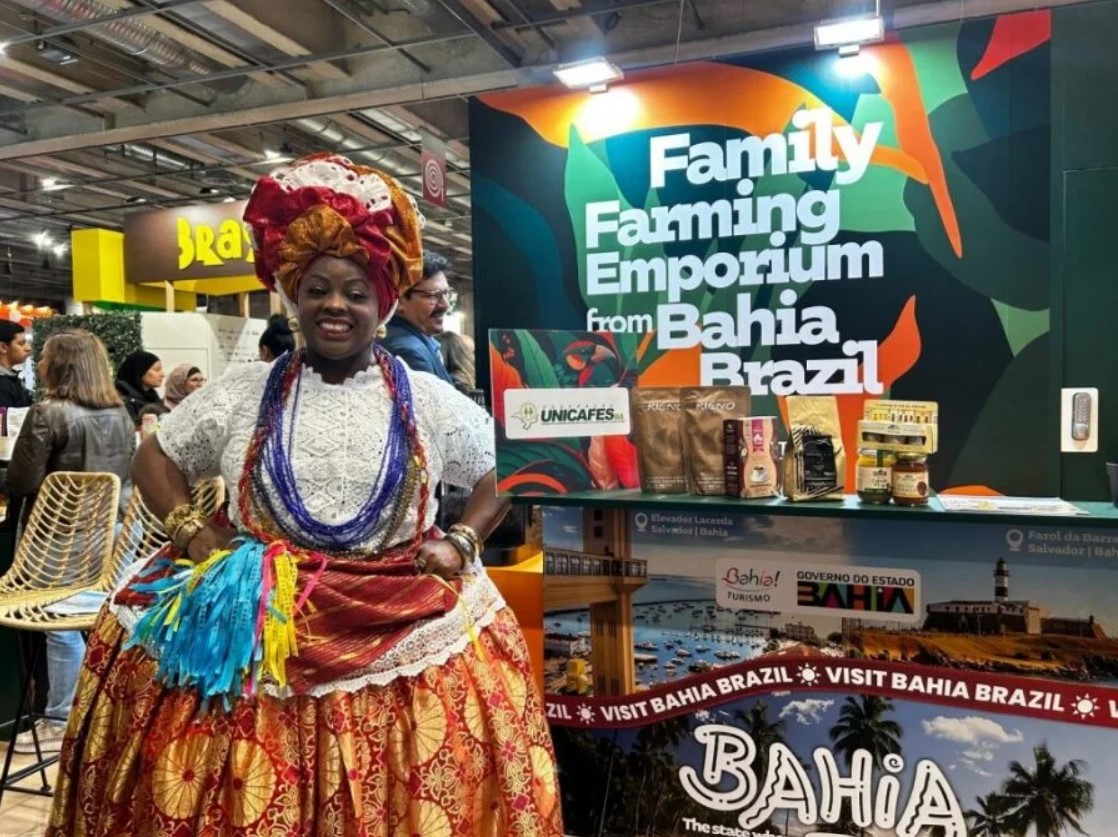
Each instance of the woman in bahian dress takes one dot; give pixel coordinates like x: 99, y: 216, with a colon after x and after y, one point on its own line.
x: 330, y: 666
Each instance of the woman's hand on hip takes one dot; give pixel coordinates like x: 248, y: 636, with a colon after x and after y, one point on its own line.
x: 208, y: 541
x: 441, y: 558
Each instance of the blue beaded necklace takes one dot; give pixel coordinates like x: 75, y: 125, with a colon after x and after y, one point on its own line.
x: 277, y: 434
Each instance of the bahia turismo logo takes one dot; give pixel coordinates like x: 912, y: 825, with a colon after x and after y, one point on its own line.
x: 746, y: 585
x: 555, y: 413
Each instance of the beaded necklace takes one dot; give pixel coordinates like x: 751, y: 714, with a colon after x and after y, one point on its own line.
x: 403, y: 468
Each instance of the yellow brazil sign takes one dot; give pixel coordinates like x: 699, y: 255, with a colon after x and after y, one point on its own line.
x: 193, y: 242
x: 205, y: 244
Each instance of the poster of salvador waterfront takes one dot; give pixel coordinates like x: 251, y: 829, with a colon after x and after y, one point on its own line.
x: 806, y: 676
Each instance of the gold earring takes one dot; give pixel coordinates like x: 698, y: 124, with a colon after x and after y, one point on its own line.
x: 382, y: 331
x: 293, y: 324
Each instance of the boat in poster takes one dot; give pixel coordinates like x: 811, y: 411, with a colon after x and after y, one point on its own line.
x: 809, y: 676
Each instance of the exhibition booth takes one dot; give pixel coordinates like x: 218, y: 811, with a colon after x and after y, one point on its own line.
x: 804, y: 357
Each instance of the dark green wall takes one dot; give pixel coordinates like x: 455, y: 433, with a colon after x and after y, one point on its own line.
x: 1085, y: 227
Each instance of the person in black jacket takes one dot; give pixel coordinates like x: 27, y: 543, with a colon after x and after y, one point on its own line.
x: 136, y: 381
x: 14, y: 350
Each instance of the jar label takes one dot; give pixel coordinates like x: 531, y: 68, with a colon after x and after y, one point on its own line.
x: 910, y: 484
x: 873, y: 478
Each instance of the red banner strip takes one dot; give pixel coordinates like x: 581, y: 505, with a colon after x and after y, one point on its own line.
x: 1051, y: 700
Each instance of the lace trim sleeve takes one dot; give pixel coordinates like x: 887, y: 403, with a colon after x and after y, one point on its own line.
x: 463, y: 429
x: 195, y: 433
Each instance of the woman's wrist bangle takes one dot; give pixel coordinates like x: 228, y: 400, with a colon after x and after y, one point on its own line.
x: 470, y: 534
x: 186, y: 533
x: 463, y: 546
x: 183, y: 523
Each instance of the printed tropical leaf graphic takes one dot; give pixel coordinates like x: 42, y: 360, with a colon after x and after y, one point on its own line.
x: 537, y: 365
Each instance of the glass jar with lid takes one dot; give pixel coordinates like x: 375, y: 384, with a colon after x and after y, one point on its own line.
x: 874, y: 476
x: 910, y: 480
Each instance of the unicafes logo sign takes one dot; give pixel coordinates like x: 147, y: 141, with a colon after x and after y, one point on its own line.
x: 731, y: 780
x: 559, y: 413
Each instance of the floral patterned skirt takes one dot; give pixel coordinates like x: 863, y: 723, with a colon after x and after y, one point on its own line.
x: 460, y: 750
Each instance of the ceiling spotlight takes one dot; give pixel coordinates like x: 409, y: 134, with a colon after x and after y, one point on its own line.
x: 593, y: 75
x: 135, y: 199
x: 3, y: 47
x: 42, y: 240
x: 209, y: 190
x: 59, y: 250
x: 849, y: 33
x: 51, y: 184
x: 228, y: 199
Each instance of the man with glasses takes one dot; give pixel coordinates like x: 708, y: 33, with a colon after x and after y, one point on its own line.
x: 419, y: 317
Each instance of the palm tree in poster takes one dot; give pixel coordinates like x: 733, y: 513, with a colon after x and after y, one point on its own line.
x: 1050, y: 798
x: 765, y: 733
x: 862, y: 725
x: 991, y: 817
x: 655, y: 754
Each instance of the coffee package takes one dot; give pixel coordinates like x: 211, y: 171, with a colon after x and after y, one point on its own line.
x: 705, y: 409
x: 749, y: 457
x: 656, y: 416
x: 815, y: 462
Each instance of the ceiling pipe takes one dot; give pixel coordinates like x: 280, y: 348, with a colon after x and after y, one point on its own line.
x: 135, y: 38
x: 159, y: 159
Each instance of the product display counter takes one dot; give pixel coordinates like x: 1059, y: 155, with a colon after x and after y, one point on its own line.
x: 1099, y: 514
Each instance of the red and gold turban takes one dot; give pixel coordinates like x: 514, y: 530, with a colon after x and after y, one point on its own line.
x: 325, y: 205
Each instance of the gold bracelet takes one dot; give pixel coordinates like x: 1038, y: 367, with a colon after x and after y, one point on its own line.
x: 470, y: 534
x: 186, y: 519
x: 179, y: 515
x: 186, y: 533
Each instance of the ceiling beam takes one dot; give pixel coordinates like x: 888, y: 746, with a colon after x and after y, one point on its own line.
x: 257, y: 26
x: 201, y: 157
x: 197, y: 43
x: 578, y: 11
x: 479, y: 17
x: 61, y: 82
x: 55, y: 165
x: 124, y: 14
x: 18, y: 94
x: 167, y: 117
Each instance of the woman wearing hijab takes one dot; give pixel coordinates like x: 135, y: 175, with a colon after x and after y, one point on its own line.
x: 331, y: 665
x: 136, y: 381
x: 183, y: 380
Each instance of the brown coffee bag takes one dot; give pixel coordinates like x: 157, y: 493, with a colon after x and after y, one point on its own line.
x: 814, y: 462
x: 705, y: 409
x: 656, y: 416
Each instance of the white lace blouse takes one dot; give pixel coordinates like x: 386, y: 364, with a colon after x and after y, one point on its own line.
x: 340, y: 432
x: 339, y: 440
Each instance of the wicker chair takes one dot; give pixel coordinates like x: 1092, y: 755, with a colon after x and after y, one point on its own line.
x: 141, y: 532
x: 65, y: 549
